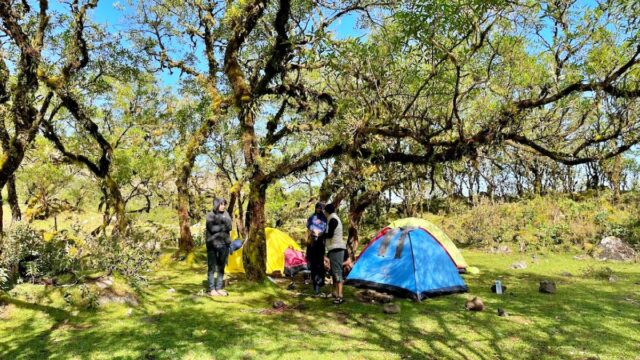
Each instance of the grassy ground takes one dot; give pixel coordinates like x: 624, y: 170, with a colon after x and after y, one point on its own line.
x: 589, y: 318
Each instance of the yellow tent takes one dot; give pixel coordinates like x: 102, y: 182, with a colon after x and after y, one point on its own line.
x: 440, y: 236
x: 277, y: 243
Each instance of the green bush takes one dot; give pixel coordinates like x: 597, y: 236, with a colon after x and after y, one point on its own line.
x: 129, y: 255
x: 55, y: 253
x: 20, y: 242
x: 40, y: 253
x: 601, y: 273
x: 556, y: 222
x: 4, y: 278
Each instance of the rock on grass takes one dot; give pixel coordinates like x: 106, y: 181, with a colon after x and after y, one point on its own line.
x: 519, y: 265
x: 391, y: 308
x: 614, y: 248
x: 547, y: 287
x: 474, y: 304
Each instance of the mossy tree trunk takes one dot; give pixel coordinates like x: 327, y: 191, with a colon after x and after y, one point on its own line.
x: 185, y: 241
x: 121, y: 224
x: 255, y: 249
x: 12, y: 198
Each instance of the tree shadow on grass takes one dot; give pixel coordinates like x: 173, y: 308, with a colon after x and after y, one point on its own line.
x: 27, y: 340
x: 182, y: 324
x: 565, y: 324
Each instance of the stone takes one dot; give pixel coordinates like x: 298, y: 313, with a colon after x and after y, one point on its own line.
x: 372, y: 296
x: 109, y: 297
x: 278, y: 304
x: 519, y: 265
x: 613, y: 278
x: 104, y: 282
x: 614, y: 248
x: 171, y: 290
x: 503, y: 249
x: 547, y: 287
x: 391, y: 308
x: 474, y: 304
x: 502, y: 313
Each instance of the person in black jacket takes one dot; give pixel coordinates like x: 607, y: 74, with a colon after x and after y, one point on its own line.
x: 316, y: 226
x: 218, y: 240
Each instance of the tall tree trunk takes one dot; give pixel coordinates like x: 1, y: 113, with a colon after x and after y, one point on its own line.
x: 254, y: 253
x: 1, y: 215
x: 193, y: 149
x: 537, y: 183
x: 233, y: 198
x: 12, y: 197
x: 355, y: 217
x: 185, y: 242
x: 612, y: 170
x: 118, y: 205
x: 329, y: 186
x: 255, y: 250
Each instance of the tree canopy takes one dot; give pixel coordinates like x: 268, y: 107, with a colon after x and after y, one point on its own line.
x: 181, y: 101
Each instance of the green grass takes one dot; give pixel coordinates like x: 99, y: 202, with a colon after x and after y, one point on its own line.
x: 588, y: 318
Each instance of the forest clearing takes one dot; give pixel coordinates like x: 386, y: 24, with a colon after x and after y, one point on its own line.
x: 333, y: 179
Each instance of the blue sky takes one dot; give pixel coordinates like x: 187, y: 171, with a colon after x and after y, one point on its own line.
x: 114, y: 15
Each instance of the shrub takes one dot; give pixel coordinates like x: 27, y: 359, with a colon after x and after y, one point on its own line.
x: 602, y: 273
x: 19, y: 243
x: 4, y: 278
x: 55, y: 253
x: 551, y: 222
x: 128, y: 255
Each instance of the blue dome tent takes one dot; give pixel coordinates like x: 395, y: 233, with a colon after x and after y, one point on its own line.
x: 409, y: 262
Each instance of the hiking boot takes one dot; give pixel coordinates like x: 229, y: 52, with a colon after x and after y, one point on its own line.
x: 223, y: 292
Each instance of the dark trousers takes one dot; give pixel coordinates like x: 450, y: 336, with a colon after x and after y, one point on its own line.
x: 315, y: 258
x: 216, y: 261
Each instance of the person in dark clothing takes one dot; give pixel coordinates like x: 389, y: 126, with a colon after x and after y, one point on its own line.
x: 336, y: 247
x: 316, y: 226
x: 218, y: 240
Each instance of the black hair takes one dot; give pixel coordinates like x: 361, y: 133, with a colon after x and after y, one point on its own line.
x: 329, y: 208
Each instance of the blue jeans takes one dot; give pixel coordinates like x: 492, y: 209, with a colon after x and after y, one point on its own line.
x: 216, y: 261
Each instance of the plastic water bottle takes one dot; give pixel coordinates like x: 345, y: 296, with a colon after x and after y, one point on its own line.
x: 498, y: 287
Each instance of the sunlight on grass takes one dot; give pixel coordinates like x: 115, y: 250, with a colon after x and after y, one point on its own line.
x: 174, y: 321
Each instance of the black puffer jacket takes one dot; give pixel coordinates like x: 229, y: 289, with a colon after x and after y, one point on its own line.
x: 218, y: 227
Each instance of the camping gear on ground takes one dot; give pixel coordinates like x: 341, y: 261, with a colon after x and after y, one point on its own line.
x: 294, y: 262
x: 503, y: 288
x: 235, y: 245
x: 437, y: 234
x: 498, y: 287
x: 409, y: 262
x: 277, y: 243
